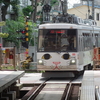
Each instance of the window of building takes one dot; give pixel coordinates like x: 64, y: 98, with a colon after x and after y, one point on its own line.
x: 97, y: 16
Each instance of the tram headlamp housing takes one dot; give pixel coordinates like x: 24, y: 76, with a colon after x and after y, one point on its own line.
x: 73, y: 61
x: 40, y: 62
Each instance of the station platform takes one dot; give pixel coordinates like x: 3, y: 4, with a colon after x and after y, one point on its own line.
x: 91, y: 80
x: 9, y: 77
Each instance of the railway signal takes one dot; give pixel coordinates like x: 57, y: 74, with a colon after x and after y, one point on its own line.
x: 24, y: 38
x: 46, y: 8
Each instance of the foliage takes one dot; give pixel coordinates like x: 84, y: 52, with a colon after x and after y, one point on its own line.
x: 21, y: 17
x: 31, y: 37
x: 11, y: 28
x: 7, y: 3
x: 4, y: 35
x: 15, y: 7
x: 9, y: 68
x: 53, y: 2
x: 27, y: 10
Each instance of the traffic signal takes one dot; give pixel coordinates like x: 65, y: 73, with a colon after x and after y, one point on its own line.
x: 46, y: 8
x: 24, y: 37
x: 25, y: 43
x: 21, y: 31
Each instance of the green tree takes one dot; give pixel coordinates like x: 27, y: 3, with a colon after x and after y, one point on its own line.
x: 4, y: 35
x: 18, y: 23
x: 53, y: 2
x: 28, y: 10
x: 6, y: 4
x: 12, y: 26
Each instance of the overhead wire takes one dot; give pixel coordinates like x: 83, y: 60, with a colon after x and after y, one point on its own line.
x: 77, y: 10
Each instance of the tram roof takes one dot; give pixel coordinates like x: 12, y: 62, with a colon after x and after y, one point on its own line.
x: 66, y: 26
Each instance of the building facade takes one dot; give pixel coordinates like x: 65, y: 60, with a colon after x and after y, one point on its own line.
x: 82, y: 12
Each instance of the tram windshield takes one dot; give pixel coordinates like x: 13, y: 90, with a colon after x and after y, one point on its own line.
x: 57, y: 40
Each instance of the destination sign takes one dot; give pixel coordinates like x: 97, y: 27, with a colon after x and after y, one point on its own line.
x: 57, y: 31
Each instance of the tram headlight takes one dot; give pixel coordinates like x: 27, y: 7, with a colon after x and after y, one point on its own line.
x: 73, y: 61
x: 40, y: 62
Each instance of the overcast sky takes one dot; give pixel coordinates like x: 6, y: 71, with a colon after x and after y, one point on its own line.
x: 71, y: 2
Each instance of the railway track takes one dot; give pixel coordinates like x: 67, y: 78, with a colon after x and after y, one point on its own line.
x: 53, y: 91
x: 73, y: 92
x: 34, y: 91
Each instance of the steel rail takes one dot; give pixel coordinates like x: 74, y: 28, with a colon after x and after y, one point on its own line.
x: 30, y: 98
x: 68, y: 91
x: 69, y: 88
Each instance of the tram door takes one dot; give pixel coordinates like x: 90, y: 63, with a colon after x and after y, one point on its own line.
x: 80, y: 47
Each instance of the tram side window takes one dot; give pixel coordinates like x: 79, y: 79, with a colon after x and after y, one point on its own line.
x: 83, y: 42
x: 91, y: 43
x: 80, y: 48
x: 96, y: 40
x: 87, y: 41
x: 79, y: 44
x: 72, y: 42
x: 99, y: 41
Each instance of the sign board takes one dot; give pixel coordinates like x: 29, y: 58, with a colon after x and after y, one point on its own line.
x: 2, y: 23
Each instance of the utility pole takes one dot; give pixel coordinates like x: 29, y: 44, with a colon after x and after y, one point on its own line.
x: 0, y: 21
x: 93, y: 10
x: 0, y: 57
x: 34, y: 5
x: 88, y: 9
x: 65, y: 6
x: 35, y: 11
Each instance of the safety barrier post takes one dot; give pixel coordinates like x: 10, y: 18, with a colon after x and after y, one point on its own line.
x: 97, y: 93
x: 14, y: 58
x: 27, y: 39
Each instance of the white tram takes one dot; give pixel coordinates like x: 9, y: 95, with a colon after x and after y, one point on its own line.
x: 66, y: 47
